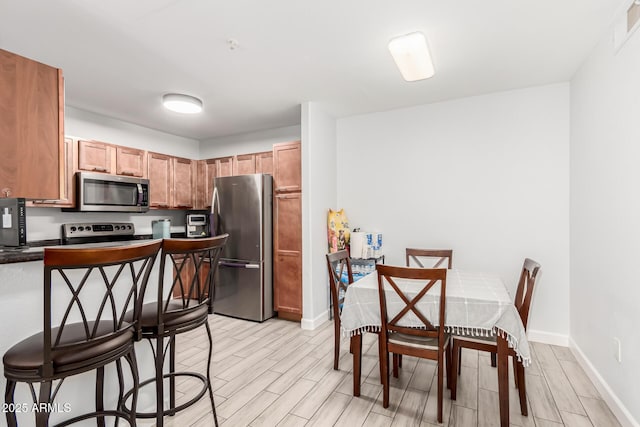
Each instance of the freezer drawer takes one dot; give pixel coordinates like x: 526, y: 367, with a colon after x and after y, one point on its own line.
x: 240, y: 291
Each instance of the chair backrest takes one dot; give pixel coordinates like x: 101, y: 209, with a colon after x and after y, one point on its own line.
x: 526, y: 284
x: 340, y: 276
x: 194, y: 262
x: 433, y: 258
x: 424, y: 282
x: 89, y: 294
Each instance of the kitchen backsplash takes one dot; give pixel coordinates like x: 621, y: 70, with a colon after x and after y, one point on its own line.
x: 44, y: 223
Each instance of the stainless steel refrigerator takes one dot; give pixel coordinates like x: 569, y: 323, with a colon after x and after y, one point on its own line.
x: 242, y: 207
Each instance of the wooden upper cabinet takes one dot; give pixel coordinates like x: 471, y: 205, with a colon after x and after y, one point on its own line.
x: 264, y: 162
x: 130, y: 161
x: 224, y: 167
x: 31, y: 128
x: 287, y: 166
x: 159, y: 174
x: 184, y: 178
x: 95, y: 156
x: 244, y: 164
x: 204, y: 187
x: 67, y: 193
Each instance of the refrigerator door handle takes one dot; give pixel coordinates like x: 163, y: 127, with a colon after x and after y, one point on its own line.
x: 237, y: 265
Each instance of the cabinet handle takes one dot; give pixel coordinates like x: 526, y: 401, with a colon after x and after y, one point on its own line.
x: 127, y: 173
x: 162, y: 206
x: 184, y: 206
x: 6, y: 192
x: 48, y: 202
x: 99, y: 170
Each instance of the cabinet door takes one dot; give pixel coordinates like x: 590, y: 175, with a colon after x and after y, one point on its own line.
x: 159, y: 180
x: 287, y: 285
x: 204, y: 190
x: 244, y: 164
x: 183, y: 182
x: 287, y: 166
x: 130, y: 161
x: 186, y: 275
x: 95, y: 156
x: 31, y: 128
x: 67, y: 194
x: 264, y: 162
x: 224, y: 166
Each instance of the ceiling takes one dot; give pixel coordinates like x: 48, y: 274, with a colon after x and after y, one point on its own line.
x: 120, y: 56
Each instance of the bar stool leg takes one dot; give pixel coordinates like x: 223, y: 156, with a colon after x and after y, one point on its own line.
x: 159, y: 382
x: 213, y: 406
x: 8, y: 398
x: 172, y: 378
x: 42, y: 417
x: 100, y: 395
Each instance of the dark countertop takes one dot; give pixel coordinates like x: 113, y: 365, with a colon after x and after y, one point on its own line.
x: 35, y: 250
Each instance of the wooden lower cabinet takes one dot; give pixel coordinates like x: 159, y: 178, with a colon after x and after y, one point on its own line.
x: 287, y: 274
x: 182, y: 286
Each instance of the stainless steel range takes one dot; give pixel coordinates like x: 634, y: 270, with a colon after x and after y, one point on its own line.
x: 94, y: 232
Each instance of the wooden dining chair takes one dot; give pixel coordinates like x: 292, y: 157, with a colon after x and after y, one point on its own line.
x: 339, y: 265
x: 524, y: 293
x: 88, y: 294
x: 427, y: 338
x: 429, y: 258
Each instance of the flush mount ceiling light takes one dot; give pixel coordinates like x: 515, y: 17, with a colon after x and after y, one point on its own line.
x: 182, y: 103
x: 412, y: 57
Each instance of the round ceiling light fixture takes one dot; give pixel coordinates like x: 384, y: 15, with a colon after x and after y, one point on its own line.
x: 181, y: 103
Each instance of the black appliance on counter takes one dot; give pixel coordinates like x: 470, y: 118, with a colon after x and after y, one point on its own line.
x: 13, y: 227
x: 96, y: 232
x: 197, y: 224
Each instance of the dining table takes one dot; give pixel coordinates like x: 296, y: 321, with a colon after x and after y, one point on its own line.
x: 477, y: 304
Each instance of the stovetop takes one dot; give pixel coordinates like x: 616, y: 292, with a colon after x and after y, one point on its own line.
x: 94, y: 232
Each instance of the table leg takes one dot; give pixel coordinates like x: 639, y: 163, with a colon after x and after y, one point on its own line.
x: 503, y: 380
x: 356, y: 346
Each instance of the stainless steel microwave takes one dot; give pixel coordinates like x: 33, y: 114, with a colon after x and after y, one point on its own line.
x: 99, y: 192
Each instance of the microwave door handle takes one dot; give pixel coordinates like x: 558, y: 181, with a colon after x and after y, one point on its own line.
x: 140, y: 194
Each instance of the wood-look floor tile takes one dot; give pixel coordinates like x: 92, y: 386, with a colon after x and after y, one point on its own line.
x: 377, y: 420
x: 575, y: 420
x: 541, y: 422
x: 409, y: 412
x: 562, y: 391
x: 563, y: 353
x: 250, y: 373
x: 316, y: 397
x: 468, y: 384
x: 358, y: 408
x: 423, y: 375
x: 331, y: 410
x: 246, y: 394
x: 470, y: 357
x: 541, y: 399
x: 488, y: 408
x: 279, y: 409
x: 291, y: 376
x: 463, y: 417
x: 292, y: 421
x: 579, y: 380
x: 397, y: 387
x: 430, y: 414
x: 599, y: 413
x: 251, y: 410
x: 545, y: 356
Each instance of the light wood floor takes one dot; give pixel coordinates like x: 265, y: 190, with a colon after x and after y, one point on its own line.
x: 276, y: 374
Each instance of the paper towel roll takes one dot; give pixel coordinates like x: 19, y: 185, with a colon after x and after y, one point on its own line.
x: 357, y: 244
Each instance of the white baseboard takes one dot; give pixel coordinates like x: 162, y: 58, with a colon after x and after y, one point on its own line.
x: 548, y: 338
x: 617, y: 407
x: 311, y: 324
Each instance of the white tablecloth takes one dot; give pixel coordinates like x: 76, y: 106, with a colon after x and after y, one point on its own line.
x: 477, y: 304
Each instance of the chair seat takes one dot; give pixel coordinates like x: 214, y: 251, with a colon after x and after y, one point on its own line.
x: 416, y: 341
x: 176, y: 315
x: 26, y: 358
x: 490, y: 340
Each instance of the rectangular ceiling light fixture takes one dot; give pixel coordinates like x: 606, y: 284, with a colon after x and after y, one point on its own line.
x: 412, y: 57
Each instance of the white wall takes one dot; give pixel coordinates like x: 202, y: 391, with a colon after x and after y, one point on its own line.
x: 487, y: 176
x: 605, y: 218
x: 44, y: 223
x: 246, y: 143
x: 319, y: 183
